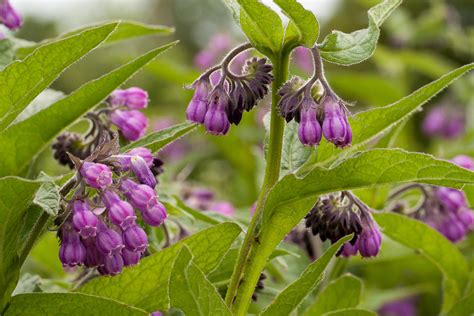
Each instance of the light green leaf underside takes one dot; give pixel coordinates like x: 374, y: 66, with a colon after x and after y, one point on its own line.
x: 147, y: 283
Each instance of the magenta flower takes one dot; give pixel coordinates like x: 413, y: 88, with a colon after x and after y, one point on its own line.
x: 9, y: 16
x: 309, y: 129
x: 133, y: 98
x: 96, y: 175
x: 197, y: 107
x: 132, y: 124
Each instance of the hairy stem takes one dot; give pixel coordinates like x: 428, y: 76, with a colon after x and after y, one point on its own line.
x: 241, y: 286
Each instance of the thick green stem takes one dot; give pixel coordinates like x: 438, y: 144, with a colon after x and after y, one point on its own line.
x: 240, y: 286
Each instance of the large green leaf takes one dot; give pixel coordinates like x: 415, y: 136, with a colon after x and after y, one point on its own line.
x: 426, y: 240
x: 343, y: 293
x: 16, y: 195
x: 369, y: 125
x: 125, y: 30
x: 191, y: 292
x: 290, y: 298
x: 22, y: 81
x: 352, y: 312
x: 463, y: 307
x: 147, y: 284
x: 347, y: 49
x: 30, y: 136
x: 159, y: 139
x: 56, y: 304
x: 303, y: 28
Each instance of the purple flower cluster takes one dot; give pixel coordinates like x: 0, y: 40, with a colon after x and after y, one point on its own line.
x: 103, y: 232
x: 444, y: 121
x: 125, y: 114
x: 9, y: 16
x: 326, y: 116
x: 203, y: 199
x: 218, y: 106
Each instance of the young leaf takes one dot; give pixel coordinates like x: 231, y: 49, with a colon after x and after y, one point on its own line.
x: 47, y: 197
x: 191, y: 292
x: 347, y: 49
x: 31, y: 136
x: 294, y: 294
x: 73, y: 304
x: 147, y: 283
x: 369, y: 125
x: 424, y: 239
x: 16, y: 195
x: 159, y: 139
x: 22, y: 81
x: 262, y: 26
x: 303, y: 28
x: 125, y: 30
x: 351, y: 312
x: 343, y: 293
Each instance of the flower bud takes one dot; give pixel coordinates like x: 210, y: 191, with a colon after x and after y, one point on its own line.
x: 120, y: 212
x: 140, y: 195
x: 452, y: 228
x: 197, y: 107
x: 335, y: 124
x: 309, y: 130
x: 135, y: 239
x: 72, y: 251
x: 349, y: 250
x: 132, y: 124
x: 9, y: 16
x: 466, y: 217
x: 464, y: 161
x: 65, y: 143
x: 113, y: 264
x: 142, y: 171
x: 85, y: 223
x: 143, y: 152
x: 109, y: 242
x: 369, y: 241
x: 155, y: 214
x: 134, y: 98
x: 96, y: 175
x: 216, y: 121
x: 451, y: 199
x: 130, y: 258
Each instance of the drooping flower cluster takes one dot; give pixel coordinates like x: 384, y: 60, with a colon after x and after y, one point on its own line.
x: 444, y: 121
x: 217, y: 106
x: 336, y: 216
x: 204, y: 200
x: 9, y: 16
x: 444, y: 209
x: 104, y: 231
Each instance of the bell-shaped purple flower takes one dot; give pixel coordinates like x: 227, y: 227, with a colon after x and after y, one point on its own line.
x: 336, y: 127
x: 94, y: 257
x: 134, y: 98
x: 9, y: 16
x: 197, y: 107
x: 143, y: 152
x: 120, y: 212
x: 216, y: 120
x: 370, y: 240
x: 85, y: 223
x: 80, y: 206
x: 135, y: 239
x: 142, y: 171
x: 130, y: 258
x: 113, y: 264
x: 349, y: 250
x: 140, y: 195
x: 155, y: 214
x: 132, y: 124
x: 464, y: 161
x: 72, y: 251
x: 309, y: 130
x: 109, y: 242
x: 451, y: 199
x: 96, y: 175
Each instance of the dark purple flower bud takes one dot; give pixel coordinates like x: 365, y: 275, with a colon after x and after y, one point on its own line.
x: 9, y: 16
x: 134, y: 98
x: 197, y: 107
x: 143, y: 152
x: 93, y: 255
x: 120, y: 212
x: 290, y: 102
x: 216, y: 121
x: 72, y: 251
x: 130, y: 258
x: 335, y: 123
x: 452, y: 228
x: 140, y: 195
x: 85, y: 223
x: 466, y: 217
x: 135, y: 239
x: 223, y: 207
x: 451, y: 199
x: 113, y: 264
x: 369, y: 241
x: 349, y: 250
x: 464, y: 161
x: 142, y: 171
x: 309, y: 130
x: 132, y: 124
x: 155, y: 214
x: 96, y: 175
x: 109, y: 242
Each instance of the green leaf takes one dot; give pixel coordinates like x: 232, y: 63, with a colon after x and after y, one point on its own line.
x: 22, y: 81
x: 191, y: 292
x: 47, y: 197
x: 303, y: 28
x: 294, y: 154
x: 52, y: 304
x: 41, y: 102
x: 351, y: 312
x: 290, y: 298
x: 7, y: 52
x: 125, y: 30
x: 347, y: 49
x: 16, y: 195
x: 369, y: 125
x: 159, y: 139
x: 262, y: 26
x: 463, y: 307
x: 29, y: 137
x: 147, y: 284
x: 426, y: 240
x: 343, y: 293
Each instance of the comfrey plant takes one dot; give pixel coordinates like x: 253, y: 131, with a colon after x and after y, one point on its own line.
x: 326, y: 174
